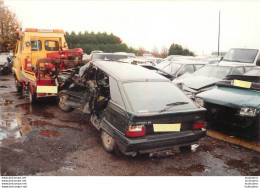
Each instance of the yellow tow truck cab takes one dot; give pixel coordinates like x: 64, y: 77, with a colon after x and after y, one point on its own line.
x: 33, y: 69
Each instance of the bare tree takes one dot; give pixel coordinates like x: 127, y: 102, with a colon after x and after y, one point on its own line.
x: 164, y: 52
x: 142, y: 50
x: 8, y: 26
x: 155, y: 52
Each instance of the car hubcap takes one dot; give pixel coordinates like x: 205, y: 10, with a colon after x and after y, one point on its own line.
x: 63, y: 98
x: 108, y: 140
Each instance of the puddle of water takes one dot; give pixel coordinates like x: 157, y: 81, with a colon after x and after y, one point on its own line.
x: 17, y: 125
x: 50, y: 133
x: 243, y: 167
x: 16, y: 94
x: 7, y: 102
x: 4, y: 79
x: 12, y: 127
x: 36, y: 110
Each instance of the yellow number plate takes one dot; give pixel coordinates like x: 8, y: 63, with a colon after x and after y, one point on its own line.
x: 47, y: 89
x: 243, y: 84
x: 167, y: 127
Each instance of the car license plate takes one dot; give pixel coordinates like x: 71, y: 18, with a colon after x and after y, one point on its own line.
x: 243, y: 84
x: 167, y: 127
x: 47, y: 89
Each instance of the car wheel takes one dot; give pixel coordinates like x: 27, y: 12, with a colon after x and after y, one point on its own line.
x: 18, y: 85
x: 61, y: 99
x: 32, y: 97
x: 108, y: 142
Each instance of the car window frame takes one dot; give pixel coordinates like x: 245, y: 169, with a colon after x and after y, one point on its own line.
x: 112, y: 89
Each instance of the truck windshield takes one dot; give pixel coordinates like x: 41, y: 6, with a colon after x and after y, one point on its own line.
x: 241, y: 55
x: 145, y: 97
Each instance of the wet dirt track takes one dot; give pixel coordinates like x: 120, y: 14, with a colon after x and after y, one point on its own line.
x: 42, y: 140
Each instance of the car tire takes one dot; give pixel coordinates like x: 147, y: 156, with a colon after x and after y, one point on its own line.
x: 61, y: 98
x: 18, y: 85
x: 32, y: 97
x: 108, y: 142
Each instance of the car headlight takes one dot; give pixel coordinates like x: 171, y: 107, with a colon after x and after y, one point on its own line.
x: 199, y: 102
x: 252, y: 112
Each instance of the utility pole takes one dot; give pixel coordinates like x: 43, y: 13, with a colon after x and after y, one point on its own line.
x: 218, y: 31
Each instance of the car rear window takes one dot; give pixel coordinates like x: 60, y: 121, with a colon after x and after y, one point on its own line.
x: 145, y: 97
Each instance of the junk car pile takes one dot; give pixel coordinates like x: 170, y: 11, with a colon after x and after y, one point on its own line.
x: 132, y: 101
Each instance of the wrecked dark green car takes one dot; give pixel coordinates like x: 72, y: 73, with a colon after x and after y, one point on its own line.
x: 135, y: 110
x: 235, y: 104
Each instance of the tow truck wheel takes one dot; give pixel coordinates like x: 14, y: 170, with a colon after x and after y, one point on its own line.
x: 61, y: 99
x: 108, y: 142
x: 18, y: 85
x: 32, y: 97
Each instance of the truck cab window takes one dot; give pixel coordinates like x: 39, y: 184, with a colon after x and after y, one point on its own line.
x: 36, y: 45
x: 51, y: 45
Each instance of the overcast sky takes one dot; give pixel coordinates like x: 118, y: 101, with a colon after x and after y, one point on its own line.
x: 149, y: 24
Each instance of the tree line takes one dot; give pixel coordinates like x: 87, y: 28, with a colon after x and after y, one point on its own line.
x: 111, y: 43
x: 100, y: 41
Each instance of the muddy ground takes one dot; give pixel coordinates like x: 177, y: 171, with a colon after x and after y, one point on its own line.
x: 42, y: 140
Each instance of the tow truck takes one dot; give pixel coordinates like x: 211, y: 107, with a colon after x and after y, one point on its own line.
x: 39, y: 56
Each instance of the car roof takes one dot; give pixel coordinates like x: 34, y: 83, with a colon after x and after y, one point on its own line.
x: 232, y: 65
x: 128, y: 73
x: 188, y: 62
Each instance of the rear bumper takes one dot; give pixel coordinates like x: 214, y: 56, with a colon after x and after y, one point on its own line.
x: 155, y: 143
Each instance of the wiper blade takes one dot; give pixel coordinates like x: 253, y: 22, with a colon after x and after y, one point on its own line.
x: 172, y: 104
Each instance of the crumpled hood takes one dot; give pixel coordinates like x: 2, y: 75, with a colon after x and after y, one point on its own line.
x: 199, y: 82
x: 232, y: 97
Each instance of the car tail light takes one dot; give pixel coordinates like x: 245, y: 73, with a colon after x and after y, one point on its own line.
x: 198, y: 124
x: 135, y: 131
